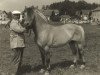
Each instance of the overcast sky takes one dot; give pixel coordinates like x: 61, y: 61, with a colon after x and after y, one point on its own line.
x: 10, y: 5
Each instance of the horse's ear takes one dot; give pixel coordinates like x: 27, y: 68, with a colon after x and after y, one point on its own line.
x: 26, y: 7
x: 32, y: 7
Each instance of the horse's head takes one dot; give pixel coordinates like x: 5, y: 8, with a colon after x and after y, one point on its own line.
x: 28, y: 14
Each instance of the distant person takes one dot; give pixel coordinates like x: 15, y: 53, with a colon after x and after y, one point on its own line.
x: 17, y: 39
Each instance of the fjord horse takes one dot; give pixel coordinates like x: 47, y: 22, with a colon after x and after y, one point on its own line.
x: 48, y: 36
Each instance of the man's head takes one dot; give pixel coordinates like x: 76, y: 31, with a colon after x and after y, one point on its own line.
x: 16, y: 14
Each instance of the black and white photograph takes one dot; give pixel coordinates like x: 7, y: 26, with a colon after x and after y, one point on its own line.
x: 49, y: 37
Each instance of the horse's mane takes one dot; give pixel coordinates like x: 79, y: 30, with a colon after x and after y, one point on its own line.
x: 32, y: 9
x: 41, y: 15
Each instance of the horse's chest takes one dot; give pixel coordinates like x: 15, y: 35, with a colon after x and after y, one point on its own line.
x: 42, y: 38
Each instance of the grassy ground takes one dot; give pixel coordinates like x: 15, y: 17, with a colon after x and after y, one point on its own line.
x: 61, y: 57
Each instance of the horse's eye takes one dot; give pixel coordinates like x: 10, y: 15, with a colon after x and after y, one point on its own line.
x: 22, y: 16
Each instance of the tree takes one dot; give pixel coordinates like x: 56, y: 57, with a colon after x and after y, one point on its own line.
x: 43, y: 7
x: 70, y: 7
x: 37, y: 7
x: 66, y: 0
x: 47, y: 7
x: 52, y: 16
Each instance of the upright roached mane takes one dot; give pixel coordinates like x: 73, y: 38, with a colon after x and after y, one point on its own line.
x: 48, y: 36
x: 41, y: 15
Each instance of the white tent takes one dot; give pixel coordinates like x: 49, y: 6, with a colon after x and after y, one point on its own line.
x: 16, y: 12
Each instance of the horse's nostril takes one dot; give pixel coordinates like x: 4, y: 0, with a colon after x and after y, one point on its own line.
x: 27, y: 23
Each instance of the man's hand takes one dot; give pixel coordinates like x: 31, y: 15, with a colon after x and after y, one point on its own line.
x: 22, y: 22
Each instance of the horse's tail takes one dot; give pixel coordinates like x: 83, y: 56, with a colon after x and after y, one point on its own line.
x: 82, y: 37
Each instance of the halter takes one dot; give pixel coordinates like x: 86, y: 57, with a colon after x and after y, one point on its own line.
x: 32, y: 18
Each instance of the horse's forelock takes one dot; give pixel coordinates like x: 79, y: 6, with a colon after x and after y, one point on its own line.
x: 29, y: 11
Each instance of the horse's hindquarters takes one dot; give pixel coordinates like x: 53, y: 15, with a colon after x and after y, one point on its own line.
x: 79, y: 35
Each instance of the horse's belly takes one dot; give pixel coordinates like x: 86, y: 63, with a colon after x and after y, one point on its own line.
x: 60, y: 40
x: 76, y: 37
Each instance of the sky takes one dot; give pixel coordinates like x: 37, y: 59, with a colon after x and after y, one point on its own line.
x: 10, y: 5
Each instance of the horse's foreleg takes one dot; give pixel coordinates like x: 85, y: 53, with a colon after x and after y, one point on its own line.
x: 74, y: 51
x: 48, y: 60
x: 42, y: 55
x: 43, y: 59
x: 81, y: 55
x: 47, y: 56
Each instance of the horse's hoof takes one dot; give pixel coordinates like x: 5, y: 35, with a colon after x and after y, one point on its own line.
x: 46, y: 73
x: 72, y: 66
x: 82, y: 67
x: 42, y: 71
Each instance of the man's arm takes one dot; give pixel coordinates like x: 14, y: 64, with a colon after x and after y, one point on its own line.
x: 17, y: 28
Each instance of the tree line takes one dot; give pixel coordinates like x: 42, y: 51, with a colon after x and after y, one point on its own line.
x: 70, y: 7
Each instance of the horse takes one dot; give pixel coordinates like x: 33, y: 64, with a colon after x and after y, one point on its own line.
x: 52, y: 36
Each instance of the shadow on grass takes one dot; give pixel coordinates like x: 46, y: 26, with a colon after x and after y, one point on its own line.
x: 28, y: 68
x: 62, y: 64
x: 24, y: 69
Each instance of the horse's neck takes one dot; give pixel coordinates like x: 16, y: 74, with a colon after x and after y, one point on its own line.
x: 40, y: 17
x: 39, y: 25
x: 41, y: 20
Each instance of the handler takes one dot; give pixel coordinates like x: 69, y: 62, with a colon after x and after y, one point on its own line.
x: 17, y: 39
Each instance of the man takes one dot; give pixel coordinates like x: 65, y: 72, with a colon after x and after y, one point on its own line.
x: 17, y: 39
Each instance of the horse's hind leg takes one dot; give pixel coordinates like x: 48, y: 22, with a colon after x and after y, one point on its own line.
x: 81, y: 55
x: 74, y: 49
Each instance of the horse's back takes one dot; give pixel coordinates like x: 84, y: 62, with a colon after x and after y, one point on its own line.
x: 73, y: 32
x: 60, y: 35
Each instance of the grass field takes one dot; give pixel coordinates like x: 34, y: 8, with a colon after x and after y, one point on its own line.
x: 61, y: 57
